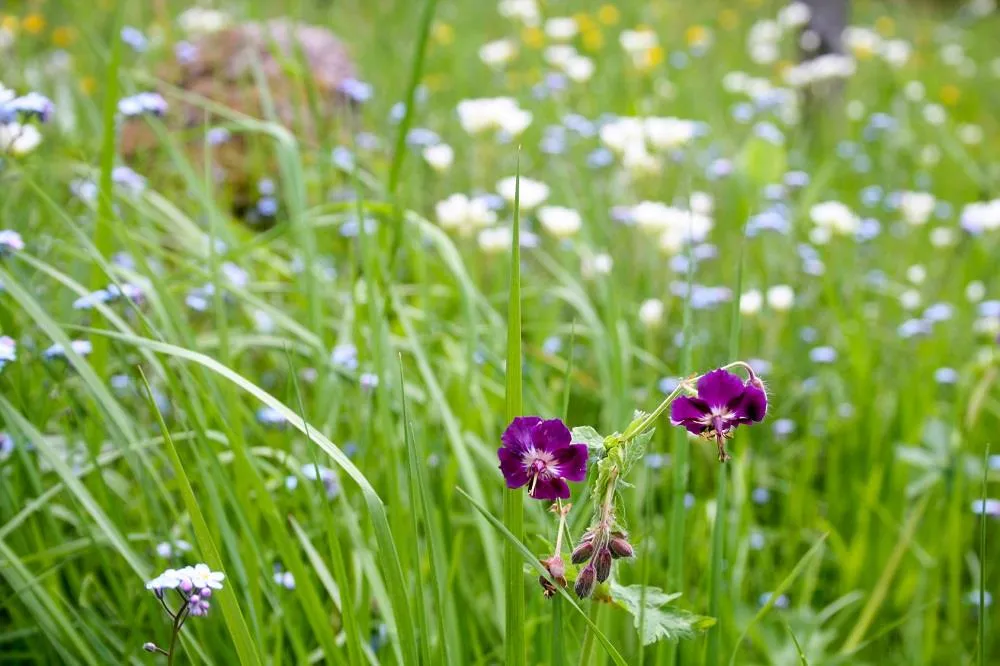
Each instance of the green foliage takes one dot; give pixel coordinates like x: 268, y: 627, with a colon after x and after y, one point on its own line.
x: 653, y: 619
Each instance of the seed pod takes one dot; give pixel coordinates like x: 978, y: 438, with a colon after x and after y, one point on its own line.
x: 556, y: 567
x: 583, y: 552
x: 602, y: 564
x: 585, y: 581
x: 620, y: 547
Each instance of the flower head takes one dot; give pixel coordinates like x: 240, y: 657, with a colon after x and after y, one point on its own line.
x: 540, y: 454
x: 723, y: 402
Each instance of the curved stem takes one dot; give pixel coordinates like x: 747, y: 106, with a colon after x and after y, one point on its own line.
x: 175, y: 632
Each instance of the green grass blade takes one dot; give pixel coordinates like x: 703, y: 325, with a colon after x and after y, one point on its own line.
x: 513, y: 500
x: 246, y: 646
x: 981, y: 628
x: 797, y: 570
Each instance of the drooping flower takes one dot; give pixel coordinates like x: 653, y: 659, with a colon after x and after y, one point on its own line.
x: 723, y: 402
x: 540, y: 454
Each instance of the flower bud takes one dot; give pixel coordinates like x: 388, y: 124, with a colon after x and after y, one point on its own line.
x: 185, y: 585
x: 583, y: 552
x: 620, y: 547
x: 150, y: 647
x: 602, y: 564
x: 556, y: 568
x: 194, y: 598
x: 585, y: 581
x: 205, y: 592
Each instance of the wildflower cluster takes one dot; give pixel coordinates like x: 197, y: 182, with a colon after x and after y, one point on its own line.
x: 18, y: 135
x: 194, y: 586
x: 543, y: 455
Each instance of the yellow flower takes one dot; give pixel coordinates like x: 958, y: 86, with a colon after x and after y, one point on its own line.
x: 593, y: 40
x: 885, y: 26
x: 434, y: 82
x: 608, y: 14
x: 63, y: 36
x: 696, y: 35
x: 950, y: 94
x: 728, y: 19
x: 651, y: 58
x: 533, y: 38
x: 442, y: 33
x: 33, y: 23
x: 9, y: 23
x: 585, y: 22
x: 87, y: 84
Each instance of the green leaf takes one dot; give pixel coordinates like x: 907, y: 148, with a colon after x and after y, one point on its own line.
x: 762, y: 162
x: 635, y: 450
x: 653, y: 620
x: 593, y: 439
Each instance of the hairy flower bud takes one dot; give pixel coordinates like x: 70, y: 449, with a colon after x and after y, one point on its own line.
x: 602, y: 564
x: 620, y: 547
x: 585, y: 581
x: 583, y: 551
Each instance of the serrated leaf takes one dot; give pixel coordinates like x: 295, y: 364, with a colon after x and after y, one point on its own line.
x: 658, y: 620
x: 635, y: 450
x: 593, y: 439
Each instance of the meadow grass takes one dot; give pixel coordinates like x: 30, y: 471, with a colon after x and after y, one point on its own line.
x: 321, y: 425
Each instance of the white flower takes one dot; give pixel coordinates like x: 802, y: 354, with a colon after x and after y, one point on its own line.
x: 916, y: 207
x: 735, y: 82
x: 780, y: 297
x: 200, y: 21
x: 942, y: 237
x: 765, y: 31
x: 975, y: 291
x: 751, y: 302
x: 533, y: 193
x: 824, y: 68
x: 18, y: 139
x: 914, y: 91
x: 6, y: 40
x: 621, y: 133
x: 910, y: 299
x: 637, y: 42
x: 169, y: 579
x: 835, y: 217
x: 930, y: 155
x: 952, y: 54
x: 686, y: 228
x: 593, y: 265
x: 668, y: 133
x: 579, y: 68
x: 651, y: 312
x: 559, y: 55
x: 637, y: 160
x: 764, y: 53
x: 934, y: 114
x: 8, y: 350
x: 559, y: 221
x: 493, y: 113
x: 896, y: 52
x: 970, y: 135
x: 701, y: 203
x: 525, y: 11
x: 498, y: 53
x: 916, y: 274
x: 439, y: 156
x: 862, y: 41
x: 981, y: 216
x: 500, y: 239
x: 561, y: 28
x: 794, y: 15
x: 10, y: 241
x: 465, y: 215
x: 201, y: 577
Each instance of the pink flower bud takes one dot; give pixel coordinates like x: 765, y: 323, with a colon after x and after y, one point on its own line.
x: 582, y: 552
x: 602, y: 564
x: 585, y: 581
x: 620, y: 547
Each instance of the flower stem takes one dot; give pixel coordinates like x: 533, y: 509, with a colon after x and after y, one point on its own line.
x: 631, y: 433
x: 175, y: 631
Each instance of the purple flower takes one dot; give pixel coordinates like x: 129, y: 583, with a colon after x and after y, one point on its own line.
x: 540, y: 454
x: 723, y: 402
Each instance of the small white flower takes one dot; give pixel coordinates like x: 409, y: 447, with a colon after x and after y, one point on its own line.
x: 200, y: 21
x: 559, y: 221
x: 598, y: 264
x: 579, y: 68
x: 168, y: 580
x: 780, y: 297
x: 10, y: 241
x: 834, y: 216
x: 561, y: 28
x: 493, y: 113
x: 201, y: 576
x: 463, y: 214
x: 970, y: 134
x: 559, y: 55
x: 824, y: 68
x: 896, y: 52
x: 18, y: 139
x: 701, y: 203
x: 669, y: 133
x: 914, y: 91
x: 764, y: 53
x: 525, y: 11
x: 910, y: 299
x: 855, y: 109
x: 751, y: 302
x: 862, y: 41
x: 934, y: 114
x: 930, y: 155
x: 916, y: 207
x: 440, y: 156
x: 981, y: 216
x: 532, y: 194
x: 651, y: 312
x: 916, y: 274
x: 952, y: 54
x: 943, y: 237
x: 794, y: 15
x: 622, y: 133
x: 637, y: 42
x: 498, y: 53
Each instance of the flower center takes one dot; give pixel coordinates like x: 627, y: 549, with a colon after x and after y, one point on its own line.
x: 540, y: 463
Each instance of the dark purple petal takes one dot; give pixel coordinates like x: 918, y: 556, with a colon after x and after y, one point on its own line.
x: 686, y: 411
x: 517, y: 436
x: 551, y: 436
x: 752, y: 405
x: 550, y: 488
x: 572, y: 461
x: 719, y: 387
x: 512, y: 466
